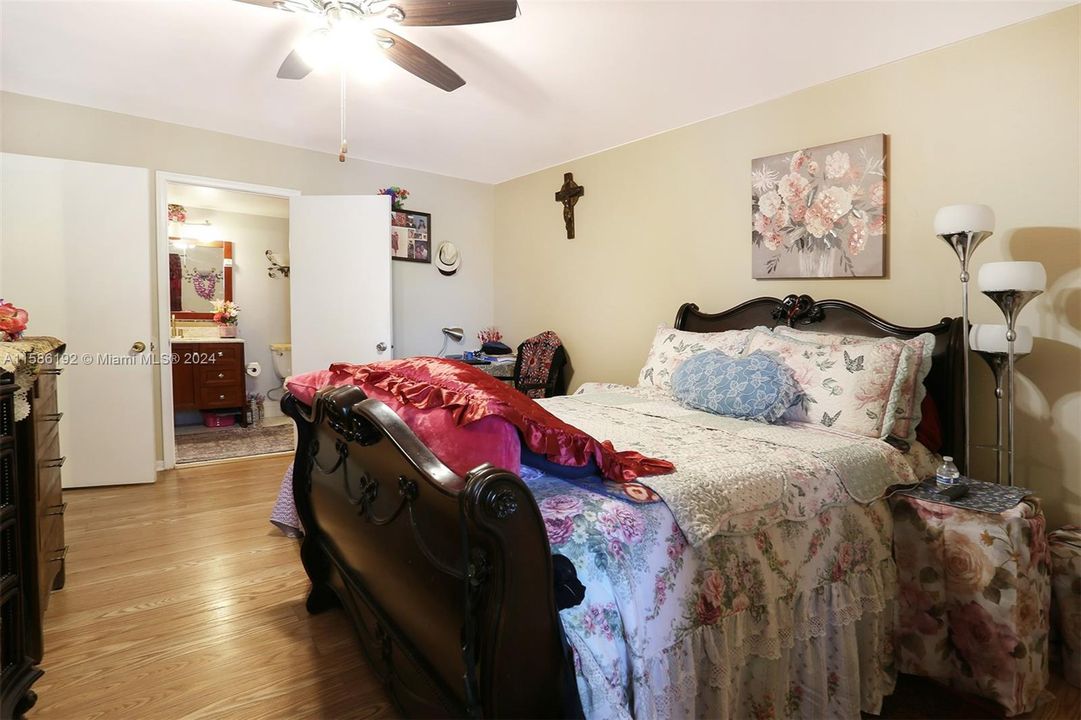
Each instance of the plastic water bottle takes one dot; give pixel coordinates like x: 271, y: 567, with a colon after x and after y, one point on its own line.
x: 947, y: 474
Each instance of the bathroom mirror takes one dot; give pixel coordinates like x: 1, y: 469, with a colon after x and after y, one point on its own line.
x: 200, y: 272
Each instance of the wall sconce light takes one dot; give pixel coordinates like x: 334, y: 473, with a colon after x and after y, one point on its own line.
x: 199, y: 231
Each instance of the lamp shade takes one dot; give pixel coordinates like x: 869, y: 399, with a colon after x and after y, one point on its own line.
x: 964, y: 218
x: 454, y: 333
x: 992, y: 339
x: 1013, y: 275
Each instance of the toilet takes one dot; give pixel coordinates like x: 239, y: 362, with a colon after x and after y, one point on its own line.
x: 283, y: 359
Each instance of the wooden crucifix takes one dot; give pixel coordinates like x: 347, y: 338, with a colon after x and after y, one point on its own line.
x: 568, y: 195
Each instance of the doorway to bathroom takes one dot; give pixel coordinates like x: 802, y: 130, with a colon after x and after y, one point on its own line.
x: 226, y: 329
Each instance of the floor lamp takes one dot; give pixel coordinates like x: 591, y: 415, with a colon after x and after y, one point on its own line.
x: 1011, y: 285
x: 964, y: 227
x: 989, y: 342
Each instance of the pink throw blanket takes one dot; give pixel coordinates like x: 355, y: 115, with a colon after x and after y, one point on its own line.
x: 472, y: 395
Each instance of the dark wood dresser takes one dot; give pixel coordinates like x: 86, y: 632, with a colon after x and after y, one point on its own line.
x: 32, y: 512
x: 209, y: 376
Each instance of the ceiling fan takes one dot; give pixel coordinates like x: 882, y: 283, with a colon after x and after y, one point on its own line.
x: 361, y: 25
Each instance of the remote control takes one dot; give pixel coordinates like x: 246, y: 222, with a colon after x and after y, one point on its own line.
x: 955, y: 492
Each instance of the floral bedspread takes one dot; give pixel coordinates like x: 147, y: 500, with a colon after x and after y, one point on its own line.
x: 791, y: 620
x: 975, y: 597
x: 784, y: 603
x: 765, y: 473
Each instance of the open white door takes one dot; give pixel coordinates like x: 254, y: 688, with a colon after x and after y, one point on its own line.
x: 75, y: 252
x: 339, y: 281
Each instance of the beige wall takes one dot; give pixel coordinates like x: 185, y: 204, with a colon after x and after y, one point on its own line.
x: 994, y: 119
x: 424, y: 301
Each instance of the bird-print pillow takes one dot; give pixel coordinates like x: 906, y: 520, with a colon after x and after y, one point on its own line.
x: 852, y: 387
x: 912, y: 390
x: 671, y: 347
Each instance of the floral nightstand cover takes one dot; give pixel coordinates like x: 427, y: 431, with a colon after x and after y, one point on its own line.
x: 1065, y: 546
x: 975, y: 594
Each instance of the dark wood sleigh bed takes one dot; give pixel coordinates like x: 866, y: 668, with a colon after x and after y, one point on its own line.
x: 449, y: 580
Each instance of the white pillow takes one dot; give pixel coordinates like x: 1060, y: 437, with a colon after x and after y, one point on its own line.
x: 911, y: 391
x: 851, y: 387
x: 671, y: 347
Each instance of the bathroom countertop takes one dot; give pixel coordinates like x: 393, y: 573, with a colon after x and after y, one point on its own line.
x: 192, y: 340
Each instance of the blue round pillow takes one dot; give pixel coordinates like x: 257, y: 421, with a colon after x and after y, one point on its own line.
x: 752, y: 387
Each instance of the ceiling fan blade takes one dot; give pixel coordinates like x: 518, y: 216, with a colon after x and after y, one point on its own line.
x: 313, y: 7
x: 264, y: 3
x: 455, y: 12
x: 293, y: 68
x: 419, y: 62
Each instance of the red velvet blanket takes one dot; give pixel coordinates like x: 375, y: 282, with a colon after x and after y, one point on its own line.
x: 472, y: 394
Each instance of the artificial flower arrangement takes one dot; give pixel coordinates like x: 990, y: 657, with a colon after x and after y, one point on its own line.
x: 13, y: 321
x: 226, y: 312
x: 225, y: 315
x: 177, y: 213
x: 398, y: 196
x: 489, y: 335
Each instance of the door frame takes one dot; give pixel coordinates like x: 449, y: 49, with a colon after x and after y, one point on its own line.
x: 161, y: 217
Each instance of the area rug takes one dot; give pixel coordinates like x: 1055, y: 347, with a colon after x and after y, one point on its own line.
x: 231, y: 442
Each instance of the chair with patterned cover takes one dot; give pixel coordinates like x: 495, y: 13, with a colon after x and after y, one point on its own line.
x: 538, y: 371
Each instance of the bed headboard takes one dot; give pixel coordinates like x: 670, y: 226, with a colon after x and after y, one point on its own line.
x: 944, y: 383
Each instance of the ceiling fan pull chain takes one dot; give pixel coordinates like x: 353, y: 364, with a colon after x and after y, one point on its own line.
x: 345, y: 145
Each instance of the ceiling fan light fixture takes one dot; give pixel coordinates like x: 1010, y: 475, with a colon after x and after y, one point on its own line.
x: 315, y: 50
x: 296, y: 6
x: 346, y: 43
x: 354, y: 35
x: 386, y: 9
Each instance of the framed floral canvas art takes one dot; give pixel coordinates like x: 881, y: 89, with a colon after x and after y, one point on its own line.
x: 820, y: 211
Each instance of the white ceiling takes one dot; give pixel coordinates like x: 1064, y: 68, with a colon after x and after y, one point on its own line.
x: 195, y: 196
x: 564, y: 79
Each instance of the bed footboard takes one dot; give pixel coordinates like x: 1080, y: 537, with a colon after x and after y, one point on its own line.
x: 448, y: 580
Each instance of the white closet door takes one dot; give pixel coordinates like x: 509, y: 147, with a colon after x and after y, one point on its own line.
x: 75, y: 252
x: 340, y: 280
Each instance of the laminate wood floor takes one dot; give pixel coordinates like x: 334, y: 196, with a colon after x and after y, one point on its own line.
x: 182, y: 601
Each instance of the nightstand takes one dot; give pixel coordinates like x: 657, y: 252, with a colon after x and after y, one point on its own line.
x: 504, y: 370
x: 974, y: 593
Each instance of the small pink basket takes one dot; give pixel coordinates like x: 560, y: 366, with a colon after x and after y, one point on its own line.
x: 211, y: 419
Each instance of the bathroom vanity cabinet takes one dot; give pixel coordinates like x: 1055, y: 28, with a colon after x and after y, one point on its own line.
x: 209, y: 376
